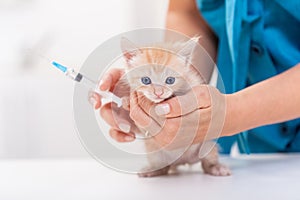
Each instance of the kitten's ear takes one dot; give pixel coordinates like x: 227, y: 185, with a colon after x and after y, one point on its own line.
x: 188, y: 49
x: 129, y: 49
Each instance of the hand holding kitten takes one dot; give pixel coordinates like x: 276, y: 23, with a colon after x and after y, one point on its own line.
x: 201, y: 111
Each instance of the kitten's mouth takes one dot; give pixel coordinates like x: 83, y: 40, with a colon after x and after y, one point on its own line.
x: 158, y: 100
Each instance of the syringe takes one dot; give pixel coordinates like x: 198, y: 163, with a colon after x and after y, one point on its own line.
x: 78, y: 77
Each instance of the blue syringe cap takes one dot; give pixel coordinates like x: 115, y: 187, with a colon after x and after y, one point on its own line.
x: 59, y: 66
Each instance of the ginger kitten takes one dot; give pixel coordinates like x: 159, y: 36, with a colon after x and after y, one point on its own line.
x: 159, y: 72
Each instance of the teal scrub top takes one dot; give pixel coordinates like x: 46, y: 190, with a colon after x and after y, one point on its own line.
x: 258, y: 39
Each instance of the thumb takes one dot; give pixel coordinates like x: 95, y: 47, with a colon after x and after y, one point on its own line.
x: 198, y: 97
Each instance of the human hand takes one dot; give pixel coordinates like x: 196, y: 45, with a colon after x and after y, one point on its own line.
x: 122, y: 127
x: 192, y: 118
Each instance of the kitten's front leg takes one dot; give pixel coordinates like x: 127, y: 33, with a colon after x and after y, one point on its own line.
x: 212, y: 166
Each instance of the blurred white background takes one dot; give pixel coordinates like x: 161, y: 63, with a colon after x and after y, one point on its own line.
x: 36, y: 116
x: 36, y: 101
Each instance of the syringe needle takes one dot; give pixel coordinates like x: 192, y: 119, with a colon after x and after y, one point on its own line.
x: 59, y: 66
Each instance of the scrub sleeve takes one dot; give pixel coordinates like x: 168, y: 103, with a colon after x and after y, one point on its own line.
x: 258, y: 39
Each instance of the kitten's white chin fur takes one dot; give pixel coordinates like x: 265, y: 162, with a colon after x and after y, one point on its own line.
x: 157, y: 100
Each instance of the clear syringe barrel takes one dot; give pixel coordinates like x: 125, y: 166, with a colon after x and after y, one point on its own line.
x: 71, y: 73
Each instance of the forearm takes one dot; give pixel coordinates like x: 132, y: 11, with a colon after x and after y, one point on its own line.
x: 184, y: 17
x: 274, y: 100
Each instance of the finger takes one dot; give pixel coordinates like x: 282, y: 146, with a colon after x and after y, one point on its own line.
x: 168, y: 132
x: 126, y: 103
x: 146, y: 105
x: 174, y: 133
x: 107, y: 114
x: 94, y: 99
x: 110, y: 79
x: 120, y: 136
x: 140, y: 117
x: 136, y: 113
x: 198, y: 97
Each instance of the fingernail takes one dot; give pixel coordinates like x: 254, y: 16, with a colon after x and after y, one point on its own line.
x: 128, y: 138
x: 124, y: 127
x: 162, y: 109
x: 92, y: 101
x: 100, y: 83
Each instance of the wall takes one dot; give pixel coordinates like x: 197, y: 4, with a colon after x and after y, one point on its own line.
x: 35, y: 100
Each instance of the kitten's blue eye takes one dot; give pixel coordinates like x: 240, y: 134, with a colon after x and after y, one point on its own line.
x: 170, y: 80
x: 146, y: 80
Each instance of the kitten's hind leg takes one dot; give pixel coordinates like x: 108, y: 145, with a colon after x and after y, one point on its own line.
x: 212, y: 166
x: 159, y: 172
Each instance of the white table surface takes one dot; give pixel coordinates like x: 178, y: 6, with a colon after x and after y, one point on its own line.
x: 254, y: 177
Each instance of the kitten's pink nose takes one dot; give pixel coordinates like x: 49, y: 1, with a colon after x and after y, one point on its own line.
x: 158, y: 92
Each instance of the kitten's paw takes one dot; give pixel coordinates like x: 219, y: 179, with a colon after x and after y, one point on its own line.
x: 217, y: 170
x: 160, y: 172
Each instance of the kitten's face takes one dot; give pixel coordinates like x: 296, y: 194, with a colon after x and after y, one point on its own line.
x: 157, y: 83
x: 157, y: 73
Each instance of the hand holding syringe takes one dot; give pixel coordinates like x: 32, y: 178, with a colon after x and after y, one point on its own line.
x: 76, y: 76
